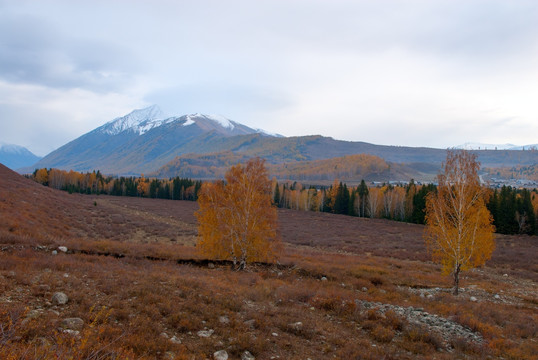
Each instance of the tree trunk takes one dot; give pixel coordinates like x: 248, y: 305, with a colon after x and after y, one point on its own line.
x: 456, y: 279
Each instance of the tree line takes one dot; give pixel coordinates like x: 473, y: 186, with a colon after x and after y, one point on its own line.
x: 95, y: 183
x: 513, y: 210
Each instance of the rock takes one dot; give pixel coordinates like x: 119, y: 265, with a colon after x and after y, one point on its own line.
x: 72, y: 323
x: 174, y: 339
x: 297, y: 326
x: 323, y: 278
x: 246, y: 355
x: 54, y: 252
x: 430, y: 296
x: 62, y: 249
x: 205, y: 333
x: 274, y: 334
x: 211, y: 265
x: 473, y: 299
x: 220, y: 355
x: 364, y: 289
x: 59, y: 298
x: 32, y: 314
x: 224, y: 320
x: 71, y: 332
x: 497, y: 297
x: 164, y: 335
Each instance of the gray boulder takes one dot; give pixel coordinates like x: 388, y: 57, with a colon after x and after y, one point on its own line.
x: 59, y: 298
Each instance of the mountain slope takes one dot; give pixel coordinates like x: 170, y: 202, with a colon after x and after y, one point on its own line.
x: 141, y: 141
x: 146, y: 140
x: 15, y: 156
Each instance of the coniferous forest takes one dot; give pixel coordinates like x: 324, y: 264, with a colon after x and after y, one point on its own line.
x: 513, y: 210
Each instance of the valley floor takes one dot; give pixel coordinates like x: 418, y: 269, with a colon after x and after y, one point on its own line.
x: 344, y: 288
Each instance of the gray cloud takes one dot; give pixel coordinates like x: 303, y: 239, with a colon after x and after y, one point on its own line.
x: 35, y: 52
x: 384, y: 71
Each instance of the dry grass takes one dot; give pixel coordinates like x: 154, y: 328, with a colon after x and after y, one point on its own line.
x: 128, y: 304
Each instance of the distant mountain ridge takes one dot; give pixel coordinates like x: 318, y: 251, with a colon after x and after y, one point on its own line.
x: 142, y: 141
x: 148, y: 141
x: 482, y: 146
x: 16, y: 156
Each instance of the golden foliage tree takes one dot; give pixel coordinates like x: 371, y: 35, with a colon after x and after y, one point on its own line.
x: 236, y: 219
x: 459, y: 231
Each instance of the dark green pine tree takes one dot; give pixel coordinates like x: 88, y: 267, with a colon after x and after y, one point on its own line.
x: 525, y: 216
x: 493, y: 207
x: 507, y: 223
x: 276, y: 199
x: 419, y: 203
x: 363, y: 198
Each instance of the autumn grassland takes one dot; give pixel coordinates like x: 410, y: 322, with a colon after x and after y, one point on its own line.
x: 344, y: 287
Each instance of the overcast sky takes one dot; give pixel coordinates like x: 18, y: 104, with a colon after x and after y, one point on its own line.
x: 417, y: 73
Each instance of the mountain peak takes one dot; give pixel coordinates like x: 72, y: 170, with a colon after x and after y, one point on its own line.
x: 218, y: 119
x: 137, y: 121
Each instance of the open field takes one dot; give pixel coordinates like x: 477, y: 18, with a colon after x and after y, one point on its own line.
x: 345, y: 288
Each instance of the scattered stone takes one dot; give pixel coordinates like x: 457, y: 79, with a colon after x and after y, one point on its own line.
x: 174, y: 339
x: 505, y: 275
x: 32, y: 314
x: 211, y: 265
x: 62, y: 249
x: 66, y: 275
x: 224, y: 320
x: 71, y: 332
x: 11, y: 274
x: 205, y: 333
x: 246, y: 355
x: 473, y: 299
x: 54, y: 252
x: 279, y: 274
x: 323, y: 278
x: 297, y: 326
x: 445, y: 328
x: 364, y: 289
x: 430, y: 296
x: 72, y: 323
x: 497, y: 297
x: 220, y: 355
x: 274, y: 334
x: 59, y: 298
x: 164, y: 335
x: 312, y: 308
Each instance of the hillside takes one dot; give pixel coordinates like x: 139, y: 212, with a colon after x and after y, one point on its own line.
x: 351, y: 168
x: 136, y: 289
x: 146, y: 140
x: 15, y: 156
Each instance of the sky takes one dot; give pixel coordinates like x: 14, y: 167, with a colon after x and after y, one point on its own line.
x: 410, y: 73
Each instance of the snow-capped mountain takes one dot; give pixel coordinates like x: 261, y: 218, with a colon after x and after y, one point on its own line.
x: 481, y: 146
x: 144, y: 140
x: 143, y: 120
x: 16, y: 156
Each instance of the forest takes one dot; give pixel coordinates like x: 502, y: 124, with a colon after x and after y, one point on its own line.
x: 514, y: 210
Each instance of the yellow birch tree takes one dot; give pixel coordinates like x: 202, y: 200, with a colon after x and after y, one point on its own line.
x: 236, y: 219
x: 459, y: 230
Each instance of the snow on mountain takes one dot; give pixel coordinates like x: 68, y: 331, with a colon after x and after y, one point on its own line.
x: 15, y: 156
x: 138, y: 121
x: 143, y: 120
x: 480, y: 146
x: 12, y: 149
